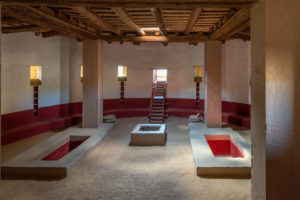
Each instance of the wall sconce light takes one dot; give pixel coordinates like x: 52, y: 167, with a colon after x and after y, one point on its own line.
x: 81, y: 73
x: 35, y: 81
x: 198, y: 79
x: 122, y: 77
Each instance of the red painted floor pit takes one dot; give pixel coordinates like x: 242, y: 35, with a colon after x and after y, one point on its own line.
x: 222, y: 145
x: 74, y: 141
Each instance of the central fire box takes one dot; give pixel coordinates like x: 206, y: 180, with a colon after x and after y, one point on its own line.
x: 149, y: 135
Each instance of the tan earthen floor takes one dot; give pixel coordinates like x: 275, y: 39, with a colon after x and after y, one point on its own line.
x: 114, y: 170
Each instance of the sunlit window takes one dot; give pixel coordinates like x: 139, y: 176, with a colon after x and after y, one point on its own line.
x: 36, y: 72
x: 81, y: 73
x: 161, y: 75
x: 122, y: 71
x: 35, y: 75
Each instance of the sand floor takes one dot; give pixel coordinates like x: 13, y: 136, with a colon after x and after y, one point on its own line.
x: 114, y: 170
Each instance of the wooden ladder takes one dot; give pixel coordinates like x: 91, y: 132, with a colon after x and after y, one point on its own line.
x: 157, y: 111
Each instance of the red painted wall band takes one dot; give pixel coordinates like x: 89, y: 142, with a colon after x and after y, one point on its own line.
x: 23, y: 118
x: 18, y: 125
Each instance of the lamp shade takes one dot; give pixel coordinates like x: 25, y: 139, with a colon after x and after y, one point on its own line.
x: 35, y: 75
x: 198, y: 73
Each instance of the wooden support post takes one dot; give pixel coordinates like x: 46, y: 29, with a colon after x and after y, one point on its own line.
x: 92, y: 83
x: 213, y: 97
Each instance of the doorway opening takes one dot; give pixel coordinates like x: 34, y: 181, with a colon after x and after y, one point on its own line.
x: 160, y: 75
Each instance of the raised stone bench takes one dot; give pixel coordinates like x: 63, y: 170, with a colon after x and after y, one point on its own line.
x: 219, y: 153
x: 52, y: 158
x: 149, y: 135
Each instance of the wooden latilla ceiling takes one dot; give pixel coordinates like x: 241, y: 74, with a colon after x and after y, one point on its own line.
x: 189, y: 21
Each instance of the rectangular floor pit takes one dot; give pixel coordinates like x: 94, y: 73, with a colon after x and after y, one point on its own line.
x: 74, y: 142
x: 223, y: 145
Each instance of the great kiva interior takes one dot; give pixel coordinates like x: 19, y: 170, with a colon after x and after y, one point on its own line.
x: 150, y: 99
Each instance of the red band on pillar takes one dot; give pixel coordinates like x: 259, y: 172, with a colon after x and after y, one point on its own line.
x: 197, y: 93
x: 35, y: 100
x: 122, y: 92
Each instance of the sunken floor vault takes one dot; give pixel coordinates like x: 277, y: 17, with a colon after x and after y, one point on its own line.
x: 114, y: 170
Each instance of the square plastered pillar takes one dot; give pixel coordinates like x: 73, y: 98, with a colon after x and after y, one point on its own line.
x: 213, y: 92
x: 92, y: 83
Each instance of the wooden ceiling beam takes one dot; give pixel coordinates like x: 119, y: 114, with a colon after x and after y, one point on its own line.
x: 244, y: 33
x: 50, y: 34
x: 127, y: 20
x: 47, y: 10
x: 241, y: 27
x: 237, y: 19
x: 18, y: 29
x: 46, y: 21
x: 156, y: 12
x: 194, y: 16
x: 193, y: 39
x: 96, y: 20
x: 135, y: 3
x: 10, y: 21
x: 242, y: 37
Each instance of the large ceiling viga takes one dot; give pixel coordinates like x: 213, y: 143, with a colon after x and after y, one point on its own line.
x: 190, y: 21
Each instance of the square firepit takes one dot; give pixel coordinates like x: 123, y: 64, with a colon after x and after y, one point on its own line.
x: 149, y: 135
x: 149, y: 128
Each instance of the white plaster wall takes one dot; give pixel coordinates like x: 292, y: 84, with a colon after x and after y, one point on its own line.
x: 19, y: 51
x: 75, y: 54
x: 236, y: 71
x: 64, y: 70
x: 60, y: 57
x: 178, y: 58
